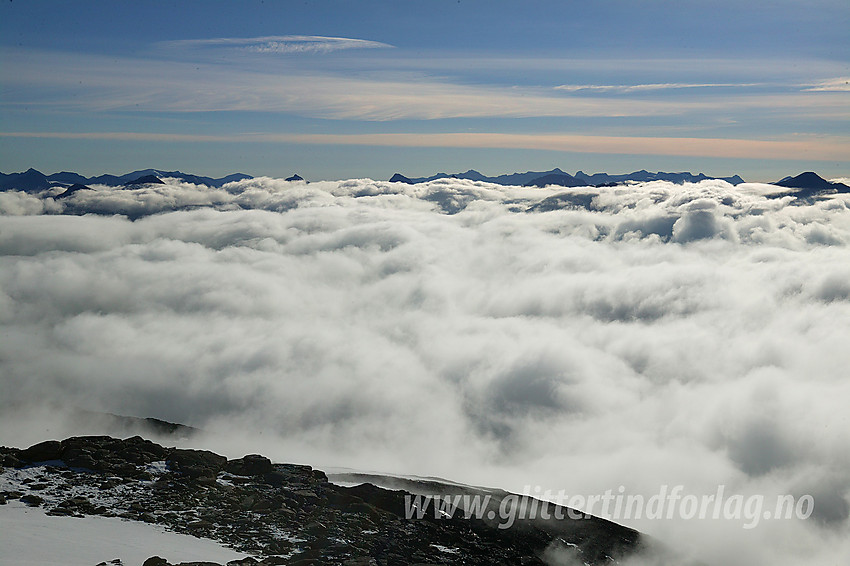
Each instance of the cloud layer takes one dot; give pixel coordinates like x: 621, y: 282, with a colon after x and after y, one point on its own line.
x: 575, y: 339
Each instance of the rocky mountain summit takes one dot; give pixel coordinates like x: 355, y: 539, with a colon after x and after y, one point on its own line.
x: 292, y: 514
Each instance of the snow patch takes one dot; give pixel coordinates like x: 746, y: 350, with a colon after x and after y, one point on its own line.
x: 29, y: 536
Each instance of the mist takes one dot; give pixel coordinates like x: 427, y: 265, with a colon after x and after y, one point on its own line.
x: 572, y: 339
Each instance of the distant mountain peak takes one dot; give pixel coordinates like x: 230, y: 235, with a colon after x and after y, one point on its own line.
x: 810, y: 184
x: 73, y: 189
x: 807, y: 180
x: 145, y: 180
x: 399, y: 178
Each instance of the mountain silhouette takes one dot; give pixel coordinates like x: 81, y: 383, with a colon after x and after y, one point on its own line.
x: 144, y: 180
x: 562, y: 180
x: 811, y: 185
x: 67, y: 177
x: 399, y: 178
x: 72, y: 189
x: 30, y: 181
x: 558, y: 177
x: 33, y: 181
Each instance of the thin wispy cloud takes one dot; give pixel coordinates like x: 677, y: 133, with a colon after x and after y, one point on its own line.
x: 104, y: 84
x: 277, y: 44
x: 839, y: 84
x: 169, y: 86
x: 732, y: 71
x: 650, y: 87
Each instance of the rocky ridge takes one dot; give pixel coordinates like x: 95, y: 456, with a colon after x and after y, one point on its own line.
x: 287, y: 513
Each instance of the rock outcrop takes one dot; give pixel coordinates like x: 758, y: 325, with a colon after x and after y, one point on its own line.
x: 287, y: 513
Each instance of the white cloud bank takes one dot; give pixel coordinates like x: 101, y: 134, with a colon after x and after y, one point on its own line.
x: 576, y: 339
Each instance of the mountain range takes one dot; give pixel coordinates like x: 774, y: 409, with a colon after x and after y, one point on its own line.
x: 806, y: 185
x: 558, y: 177
x: 34, y: 181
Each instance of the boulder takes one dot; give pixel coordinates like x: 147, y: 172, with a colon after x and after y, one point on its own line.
x: 195, y: 463
x: 42, y: 452
x: 32, y: 500
x: 250, y: 465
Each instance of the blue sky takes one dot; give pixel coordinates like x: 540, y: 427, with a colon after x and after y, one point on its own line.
x: 355, y: 89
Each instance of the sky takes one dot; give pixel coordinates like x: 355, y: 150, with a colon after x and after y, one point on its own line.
x: 570, y: 339
x: 339, y: 89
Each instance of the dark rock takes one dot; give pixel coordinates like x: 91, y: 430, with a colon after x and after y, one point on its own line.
x: 32, y: 500
x: 77, y: 505
x: 42, y: 452
x: 275, y: 478
x: 155, y: 561
x: 195, y: 463
x: 12, y: 460
x: 295, y: 177
x: 250, y: 465
x: 316, y: 529
x: 82, y: 461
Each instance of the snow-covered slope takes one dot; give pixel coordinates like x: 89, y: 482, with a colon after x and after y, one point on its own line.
x: 28, y: 536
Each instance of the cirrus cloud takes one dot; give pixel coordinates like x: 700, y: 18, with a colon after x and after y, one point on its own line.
x: 277, y: 44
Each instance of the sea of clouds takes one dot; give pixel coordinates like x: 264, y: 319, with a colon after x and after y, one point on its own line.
x: 574, y: 339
